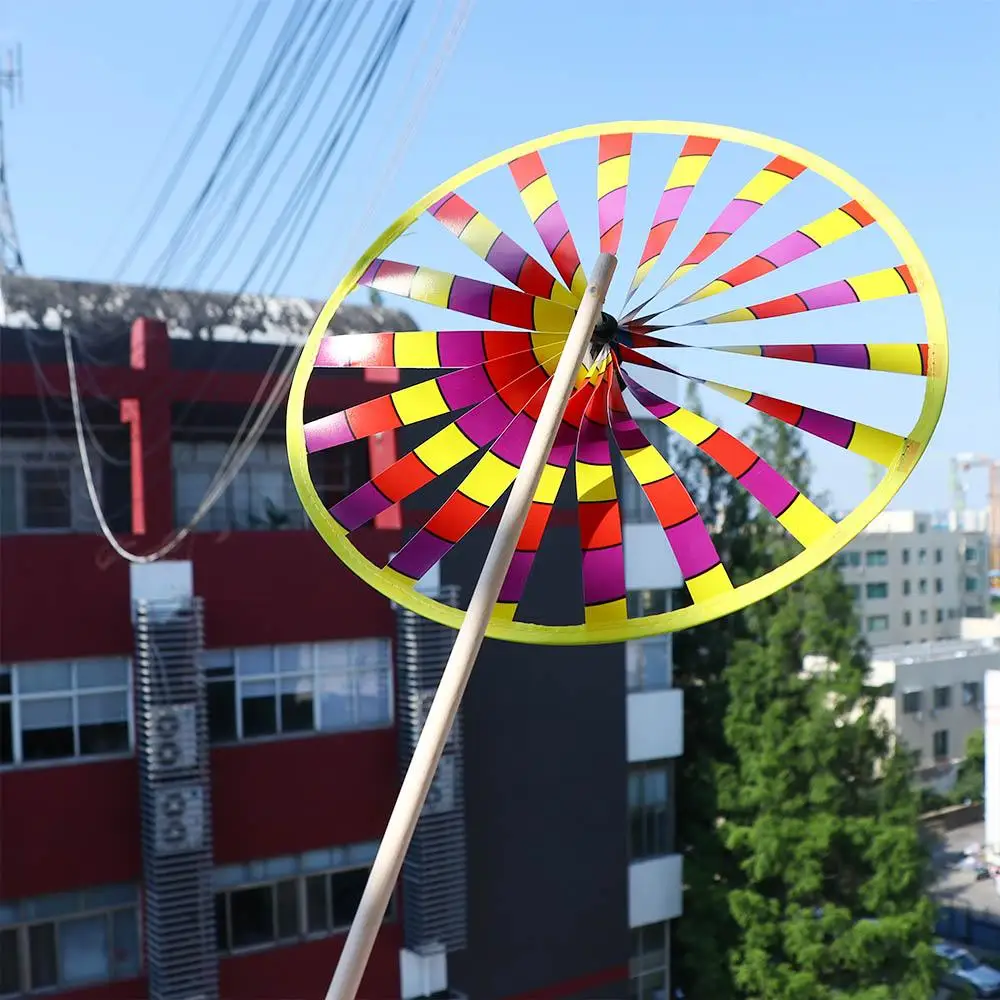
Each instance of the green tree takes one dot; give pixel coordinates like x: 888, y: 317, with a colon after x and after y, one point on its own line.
x: 818, y: 811
x: 970, y: 783
x: 805, y: 873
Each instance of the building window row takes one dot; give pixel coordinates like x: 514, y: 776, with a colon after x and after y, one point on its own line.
x: 70, y: 940
x: 42, y: 489
x: 262, y: 495
x: 650, y: 827
x: 317, y: 687
x: 649, y: 961
x: 941, y: 697
x: 61, y: 710
x: 284, y: 900
x: 64, y: 709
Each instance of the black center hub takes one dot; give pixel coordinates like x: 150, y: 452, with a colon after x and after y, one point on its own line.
x: 606, y: 332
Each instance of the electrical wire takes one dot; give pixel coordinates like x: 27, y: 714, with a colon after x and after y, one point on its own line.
x: 240, y: 450
x: 290, y: 29
x: 295, y: 93
x: 222, y: 85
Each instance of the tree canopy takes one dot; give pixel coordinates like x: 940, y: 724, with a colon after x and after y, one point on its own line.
x: 806, y: 876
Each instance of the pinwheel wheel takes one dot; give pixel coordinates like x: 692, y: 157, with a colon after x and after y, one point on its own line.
x: 551, y: 389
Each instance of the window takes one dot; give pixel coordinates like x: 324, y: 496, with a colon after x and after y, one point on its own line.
x: 923, y: 617
x: 650, y: 834
x: 262, y: 495
x: 942, y: 697
x: 971, y: 555
x: 906, y: 588
x: 940, y: 744
x: 922, y: 557
x: 938, y: 585
x: 970, y: 693
x: 906, y: 557
x: 43, y: 489
x: 971, y: 584
x: 878, y: 623
x: 907, y: 618
x: 939, y: 616
x: 922, y: 587
x: 647, y: 602
x: 648, y: 665
x: 938, y: 555
x: 323, y: 687
x: 648, y: 961
x: 848, y: 558
x: 912, y: 702
x: 854, y: 590
x: 289, y: 899
x: 73, y: 939
x: 876, y: 557
x: 874, y: 591
x: 63, y: 709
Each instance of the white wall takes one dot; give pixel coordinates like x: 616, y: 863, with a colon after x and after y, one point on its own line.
x: 655, y: 890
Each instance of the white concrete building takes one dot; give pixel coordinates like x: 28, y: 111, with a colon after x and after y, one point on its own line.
x: 654, y: 740
x: 915, y: 576
x: 933, y: 698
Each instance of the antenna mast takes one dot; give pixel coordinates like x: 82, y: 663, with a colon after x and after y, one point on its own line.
x: 12, y: 81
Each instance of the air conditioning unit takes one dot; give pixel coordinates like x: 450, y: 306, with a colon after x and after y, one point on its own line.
x: 173, y: 735
x: 179, y: 824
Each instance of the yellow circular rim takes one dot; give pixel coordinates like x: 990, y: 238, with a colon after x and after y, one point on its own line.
x: 696, y: 614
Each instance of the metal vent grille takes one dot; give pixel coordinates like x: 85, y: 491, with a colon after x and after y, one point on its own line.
x: 175, y: 794
x: 434, y: 873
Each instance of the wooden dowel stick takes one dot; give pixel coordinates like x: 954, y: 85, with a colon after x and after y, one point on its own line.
x: 444, y: 707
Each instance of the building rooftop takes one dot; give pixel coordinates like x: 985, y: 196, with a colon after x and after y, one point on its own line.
x: 92, y: 310
x: 935, y: 649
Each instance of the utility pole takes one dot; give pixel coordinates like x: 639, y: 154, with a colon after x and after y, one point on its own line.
x: 12, y: 81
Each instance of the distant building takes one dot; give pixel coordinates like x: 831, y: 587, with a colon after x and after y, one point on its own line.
x: 933, y: 699
x: 915, y: 576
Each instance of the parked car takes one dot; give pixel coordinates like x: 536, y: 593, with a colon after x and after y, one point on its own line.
x: 966, y: 970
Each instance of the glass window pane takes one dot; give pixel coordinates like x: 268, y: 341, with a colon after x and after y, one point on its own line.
x: 336, y: 704
x: 6, y: 734
x: 317, y: 905
x: 47, y: 729
x: 259, y: 709
x: 41, y: 678
x: 294, y: 659
x: 255, y: 661
x: 252, y: 916
x: 655, y: 786
x: 288, y: 909
x: 221, y: 923
x: 108, y: 707
x: 219, y: 662
x: 345, y: 890
x: 102, y: 673
x: 8, y: 499
x: 125, y: 926
x: 10, y: 967
x: 104, y: 737
x: 314, y: 861
x: 331, y: 656
x: 42, y: 956
x: 46, y: 498
x: 46, y: 713
x: 109, y: 896
x: 221, y: 696
x: 83, y: 949
x: 373, y: 697
x: 296, y: 704
x: 279, y: 867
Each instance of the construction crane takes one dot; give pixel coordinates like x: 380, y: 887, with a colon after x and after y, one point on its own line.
x: 960, y: 465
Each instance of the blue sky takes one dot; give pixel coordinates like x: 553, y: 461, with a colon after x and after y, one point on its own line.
x: 901, y: 93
